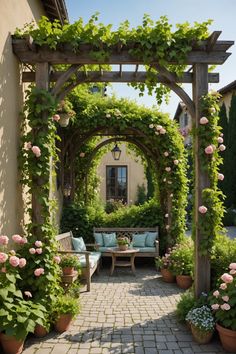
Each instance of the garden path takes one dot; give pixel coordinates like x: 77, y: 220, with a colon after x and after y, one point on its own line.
x: 125, y: 314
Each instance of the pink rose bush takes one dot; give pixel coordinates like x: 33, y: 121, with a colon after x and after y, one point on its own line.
x: 223, y: 300
x: 4, y: 240
x: 202, y: 209
x: 36, y: 150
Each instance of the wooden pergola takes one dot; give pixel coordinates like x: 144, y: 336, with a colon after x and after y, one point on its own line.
x: 39, y: 61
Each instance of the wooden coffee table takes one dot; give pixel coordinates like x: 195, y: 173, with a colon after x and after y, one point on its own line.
x: 116, y: 253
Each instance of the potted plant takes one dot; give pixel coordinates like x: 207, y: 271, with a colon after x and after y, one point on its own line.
x: 165, y: 265
x: 202, y: 324
x: 66, y: 112
x: 69, y: 263
x: 65, y: 309
x: 182, y: 263
x: 223, y: 303
x: 123, y: 243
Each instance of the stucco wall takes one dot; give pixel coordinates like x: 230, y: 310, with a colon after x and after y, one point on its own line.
x: 135, y: 172
x: 14, y: 13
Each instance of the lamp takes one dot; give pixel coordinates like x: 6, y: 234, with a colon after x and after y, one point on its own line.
x: 116, y: 153
x: 67, y: 190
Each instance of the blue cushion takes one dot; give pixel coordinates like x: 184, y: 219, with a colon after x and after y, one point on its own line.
x: 146, y: 249
x: 138, y: 240
x: 78, y: 244
x: 150, y: 239
x: 99, y: 239
x: 110, y: 240
x: 93, y: 259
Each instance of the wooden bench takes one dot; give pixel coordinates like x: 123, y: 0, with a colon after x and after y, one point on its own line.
x: 128, y: 232
x: 65, y: 246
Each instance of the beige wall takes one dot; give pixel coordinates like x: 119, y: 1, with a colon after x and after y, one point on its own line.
x: 14, y: 13
x: 135, y: 173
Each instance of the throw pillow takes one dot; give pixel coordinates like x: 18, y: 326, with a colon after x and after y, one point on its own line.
x: 99, y: 239
x: 110, y: 240
x: 78, y: 244
x: 138, y: 240
x: 150, y: 239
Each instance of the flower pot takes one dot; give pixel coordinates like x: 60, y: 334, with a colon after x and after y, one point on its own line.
x: 167, y: 276
x: 40, y: 331
x: 184, y: 281
x: 63, y: 323
x: 123, y: 247
x: 68, y: 270
x: 64, y: 119
x: 11, y: 345
x: 200, y: 336
x: 227, y: 338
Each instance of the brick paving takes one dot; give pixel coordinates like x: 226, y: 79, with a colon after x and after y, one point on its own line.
x: 125, y: 314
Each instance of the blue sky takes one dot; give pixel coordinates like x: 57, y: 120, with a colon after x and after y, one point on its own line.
x: 223, y: 12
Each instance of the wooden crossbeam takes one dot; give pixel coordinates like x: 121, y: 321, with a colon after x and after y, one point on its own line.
x: 114, y: 76
x: 211, y: 41
x: 120, y: 72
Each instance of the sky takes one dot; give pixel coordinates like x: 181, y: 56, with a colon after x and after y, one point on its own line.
x: 222, y: 12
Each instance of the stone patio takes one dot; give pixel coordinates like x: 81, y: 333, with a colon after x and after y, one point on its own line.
x: 125, y: 314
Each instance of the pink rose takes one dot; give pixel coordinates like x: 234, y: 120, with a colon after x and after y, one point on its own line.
x: 157, y: 133
x: 28, y: 294
x: 212, y: 110
x: 14, y: 261
x: 168, y: 169
x: 38, y: 243
x: 225, y: 307
x: 222, y: 147
x: 3, y: 270
x: 151, y: 126
x: 221, y: 176
x: 220, y: 140
x: 215, y: 306
x: 82, y: 154
x: 32, y: 250
x: 176, y: 162
x: 209, y: 150
x: 202, y: 209
x: 36, y: 150
x: 39, y: 250
x: 204, y: 120
x: 22, y: 262
x: 166, y: 153
x: 17, y: 238
x: 225, y: 298
x: 162, y: 131
x: 38, y: 272
x: 23, y: 240
x: 4, y: 240
x: 158, y: 127
x: 56, y: 117
x: 232, y: 266
x: 3, y: 257
x: 57, y: 259
x: 28, y: 145
x: 227, y: 278
x: 216, y: 293
x: 223, y: 286
x: 221, y: 134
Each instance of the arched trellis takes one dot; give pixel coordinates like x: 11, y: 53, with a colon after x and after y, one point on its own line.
x: 208, y: 52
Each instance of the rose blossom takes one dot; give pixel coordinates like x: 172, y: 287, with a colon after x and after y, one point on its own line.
x: 171, y: 195
x: 216, y: 293
x: 17, y: 238
x: 57, y: 259
x: 4, y: 240
x: 38, y: 272
x: 168, y: 169
x: 14, y: 261
x: 166, y: 153
x: 32, y: 250
x: 232, y: 271
x: 225, y: 298
x: 166, y: 215
x: 167, y: 227
x: 56, y: 117
x: 29, y: 145
x: 202, y: 209
x: 215, y: 306
x: 22, y: 262
x: 223, y: 286
x: 39, y: 250
x: 158, y: 127
x: 222, y: 147
x: 162, y: 131
x: 232, y: 266
x: 221, y: 176
x: 209, y: 150
x: 38, y: 243
x: 36, y: 150
x: 28, y: 293
x: 220, y: 140
x: 164, y: 179
x: 3, y: 270
x: 3, y: 257
x: 225, y: 307
x: 157, y: 133
x: 82, y: 154
x: 212, y: 110
x: 227, y: 278
x: 176, y: 162
x: 108, y: 115
x: 204, y: 120
x: 151, y: 126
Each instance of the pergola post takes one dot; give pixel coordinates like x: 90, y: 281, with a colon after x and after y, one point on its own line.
x: 202, y: 263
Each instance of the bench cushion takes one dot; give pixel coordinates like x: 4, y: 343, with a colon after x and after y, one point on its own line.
x: 150, y: 239
x: 138, y: 240
x: 78, y: 244
x: 145, y: 249
x: 93, y: 259
x: 110, y: 240
x: 99, y: 239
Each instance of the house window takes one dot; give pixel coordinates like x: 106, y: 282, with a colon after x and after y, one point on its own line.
x: 116, y: 183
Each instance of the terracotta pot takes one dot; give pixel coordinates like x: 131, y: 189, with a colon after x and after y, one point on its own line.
x: 11, y: 345
x: 227, y: 338
x: 123, y: 247
x: 63, y: 323
x: 184, y: 281
x: 200, y: 336
x: 68, y: 270
x: 40, y: 331
x: 167, y: 276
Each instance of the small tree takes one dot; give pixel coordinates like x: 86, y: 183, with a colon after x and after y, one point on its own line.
x: 141, y: 195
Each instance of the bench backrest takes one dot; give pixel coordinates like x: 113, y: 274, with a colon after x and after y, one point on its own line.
x: 125, y: 231
x: 65, y: 241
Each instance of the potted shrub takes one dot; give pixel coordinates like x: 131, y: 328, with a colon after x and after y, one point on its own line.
x: 65, y: 309
x: 69, y: 263
x: 123, y: 243
x: 182, y: 263
x: 66, y: 112
x: 165, y: 265
x: 202, y: 324
x: 223, y: 303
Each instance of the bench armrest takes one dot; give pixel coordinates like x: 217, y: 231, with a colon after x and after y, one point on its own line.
x: 157, y: 246
x: 74, y: 252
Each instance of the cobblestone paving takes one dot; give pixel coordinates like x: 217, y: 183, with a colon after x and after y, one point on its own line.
x: 125, y: 314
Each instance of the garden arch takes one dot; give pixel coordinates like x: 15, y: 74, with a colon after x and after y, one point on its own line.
x: 208, y: 52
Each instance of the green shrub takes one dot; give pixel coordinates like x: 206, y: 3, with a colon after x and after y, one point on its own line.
x: 186, y: 303
x: 113, y: 205
x: 141, y: 195
x: 182, y: 258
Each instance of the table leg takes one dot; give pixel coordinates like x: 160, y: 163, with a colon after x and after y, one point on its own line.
x: 132, y: 263
x: 113, y: 263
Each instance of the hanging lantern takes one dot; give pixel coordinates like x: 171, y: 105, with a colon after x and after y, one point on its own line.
x: 116, y: 153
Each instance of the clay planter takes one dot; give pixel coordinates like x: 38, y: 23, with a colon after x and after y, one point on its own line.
x: 200, y: 336
x: 68, y: 270
x: 11, y: 345
x: 167, y: 276
x: 227, y: 338
x: 63, y: 323
x: 123, y: 247
x: 40, y: 331
x: 184, y: 281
